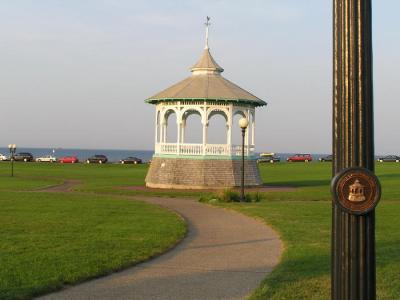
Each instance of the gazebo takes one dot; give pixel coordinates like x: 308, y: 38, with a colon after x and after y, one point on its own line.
x: 179, y: 164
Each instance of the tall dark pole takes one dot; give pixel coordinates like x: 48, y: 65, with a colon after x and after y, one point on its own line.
x: 12, y: 148
x: 242, y: 183
x: 353, y: 232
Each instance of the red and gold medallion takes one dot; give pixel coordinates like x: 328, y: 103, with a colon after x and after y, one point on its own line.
x: 356, y: 190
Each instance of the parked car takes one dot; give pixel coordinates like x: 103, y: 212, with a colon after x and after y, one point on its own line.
x: 46, y: 158
x: 268, y: 157
x: 389, y: 158
x: 300, y: 158
x: 68, y: 160
x: 23, y: 156
x: 99, y: 159
x: 3, y: 157
x: 131, y: 160
x: 326, y: 158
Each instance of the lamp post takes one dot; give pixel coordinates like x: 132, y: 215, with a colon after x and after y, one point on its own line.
x: 12, y: 148
x: 355, y: 188
x: 243, y: 123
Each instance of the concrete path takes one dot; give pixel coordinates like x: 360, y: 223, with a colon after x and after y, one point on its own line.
x: 224, y: 256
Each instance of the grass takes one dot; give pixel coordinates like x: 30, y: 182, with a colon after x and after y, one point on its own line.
x: 302, y: 218
x: 49, y: 240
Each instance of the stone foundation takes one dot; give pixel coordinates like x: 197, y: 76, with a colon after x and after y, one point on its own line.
x: 189, y: 173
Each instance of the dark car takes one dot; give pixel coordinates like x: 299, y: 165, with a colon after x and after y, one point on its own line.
x: 300, y: 158
x: 23, y: 156
x: 326, y: 158
x: 389, y: 158
x: 131, y: 160
x: 268, y: 158
x: 97, y: 159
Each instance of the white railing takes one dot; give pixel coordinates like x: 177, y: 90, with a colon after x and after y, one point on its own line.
x: 168, y: 148
x: 215, y: 149
x: 198, y: 149
x: 191, y: 149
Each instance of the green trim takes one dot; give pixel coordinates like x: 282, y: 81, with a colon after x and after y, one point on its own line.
x: 205, y: 157
x: 219, y: 100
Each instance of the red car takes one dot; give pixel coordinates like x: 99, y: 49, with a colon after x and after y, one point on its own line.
x: 68, y: 160
x: 300, y: 157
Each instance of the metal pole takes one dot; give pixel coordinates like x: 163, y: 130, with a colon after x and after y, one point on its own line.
x: 242, y: 185
x: 12, y: 151
x: 353, y: 235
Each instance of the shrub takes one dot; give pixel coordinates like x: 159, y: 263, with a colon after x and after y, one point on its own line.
x: 229, y: 195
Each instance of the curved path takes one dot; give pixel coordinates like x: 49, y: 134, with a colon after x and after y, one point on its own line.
x: 224, y: 256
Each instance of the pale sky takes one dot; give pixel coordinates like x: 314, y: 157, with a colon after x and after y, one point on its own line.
x: 75, y: 74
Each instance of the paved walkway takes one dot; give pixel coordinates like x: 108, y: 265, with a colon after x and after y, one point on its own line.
x: 224, y: 256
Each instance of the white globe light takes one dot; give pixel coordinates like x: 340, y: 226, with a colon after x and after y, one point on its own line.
x: 14, y: 146
x: 9, y: 146
x: 243, y: 123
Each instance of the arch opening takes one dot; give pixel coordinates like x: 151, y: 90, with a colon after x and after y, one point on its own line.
x: 236, y: 130
x: 171, y: 135
x: 217, y: 131
x: 193, y: 128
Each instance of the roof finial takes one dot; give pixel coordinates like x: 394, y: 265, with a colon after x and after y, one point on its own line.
x: 207, y: 23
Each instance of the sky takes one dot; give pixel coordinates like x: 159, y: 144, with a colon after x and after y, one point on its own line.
x: 75, y: 74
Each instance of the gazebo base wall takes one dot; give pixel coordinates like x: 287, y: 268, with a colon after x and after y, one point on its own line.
x: 205, y: 173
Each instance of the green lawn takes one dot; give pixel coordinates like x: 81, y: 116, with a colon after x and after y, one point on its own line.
x: 302, y: 218
x: 52, y: 239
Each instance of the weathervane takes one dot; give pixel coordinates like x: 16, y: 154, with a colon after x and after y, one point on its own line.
x: 207, y: 23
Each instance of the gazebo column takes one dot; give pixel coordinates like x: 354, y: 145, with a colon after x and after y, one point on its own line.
x: 160, y: 134
x: 229, y: 131
x: 165, y: 124
x: 247, y: 133
x: 228, y: 138
x: 183, y: 126
x: 253, y: 129
x: 179, y: 132
x: 205, y: 125
x: 156, y: 128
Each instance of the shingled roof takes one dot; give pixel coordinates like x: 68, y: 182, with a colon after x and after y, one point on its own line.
x: 206, y: 83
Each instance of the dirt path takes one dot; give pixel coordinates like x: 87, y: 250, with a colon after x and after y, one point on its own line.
x: 224, y: 256
x: 66, y: 186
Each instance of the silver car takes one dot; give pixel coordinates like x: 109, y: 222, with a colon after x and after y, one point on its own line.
x: 46, y: 158
x: 3, y: 157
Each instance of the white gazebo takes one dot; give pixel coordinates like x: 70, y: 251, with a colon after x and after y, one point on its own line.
x: 206, y: 93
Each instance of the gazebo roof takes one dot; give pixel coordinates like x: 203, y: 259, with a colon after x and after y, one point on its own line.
x: 206, y: 83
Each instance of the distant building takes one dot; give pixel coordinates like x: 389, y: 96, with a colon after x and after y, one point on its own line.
x: 178, y: 164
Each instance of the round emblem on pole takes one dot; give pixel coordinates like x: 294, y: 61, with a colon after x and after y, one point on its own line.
x: 356, y: 190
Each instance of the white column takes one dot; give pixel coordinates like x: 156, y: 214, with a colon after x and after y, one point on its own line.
x: 204, y: 122
x: 253, y: 129
x: 205, y: 125
x: 230, y: 124
x: 178, y: 130
x: 247, y: 133
x: 183, y: 131
x: 164, y: 132
x: 156, y: 129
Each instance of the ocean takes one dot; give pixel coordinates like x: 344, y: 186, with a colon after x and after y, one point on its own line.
x: 112, y: 155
